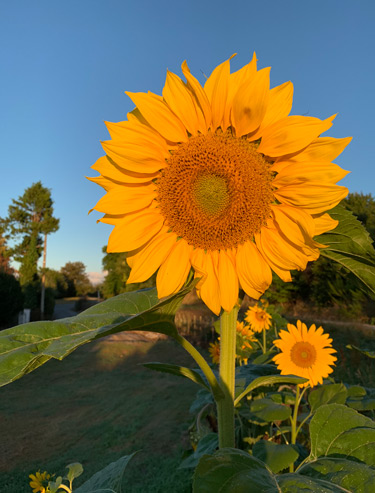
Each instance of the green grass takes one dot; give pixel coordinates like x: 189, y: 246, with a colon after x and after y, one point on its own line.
x: 94, y: 407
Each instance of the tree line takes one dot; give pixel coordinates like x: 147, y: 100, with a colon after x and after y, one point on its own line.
x: 29, y: 221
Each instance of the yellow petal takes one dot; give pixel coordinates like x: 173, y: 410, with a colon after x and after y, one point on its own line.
x: 278, y: 251
x: 253, y: 271
x: 174, y: 269
x: 133, y: 132
x: 150, y: 257
x: 216, y: 88
x: 324, y: 223
x: 279, y: 106
x: 200, y: 95
x: 126, y: 198
x: 291, y: 134
x: 323, y: 149
x: 135, y: 158
x: 108, y: 169
x: 236, y: 79
x: 104, y: 182
x: 298, y: 226
x: 134, y: 230
x: 329, y: 173
x: 205, y: 265
x: 250, y: 103
x: 314, y: 197
x: 228, y: 281
x: 159, y: 116
x: 180, y: 100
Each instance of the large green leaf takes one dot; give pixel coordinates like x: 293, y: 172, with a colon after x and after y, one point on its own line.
x: 26, y: 347
x: 232, y: 470
x: 350, y: 245
x: 366, y: 352
x: 327, y: 394
x: 337, y: 430
x: 265, y: 410
x: 179, y: 371
x: 353, y: 476
x: 109, y: 479
x: 276, y: 456
x: 267, y: 380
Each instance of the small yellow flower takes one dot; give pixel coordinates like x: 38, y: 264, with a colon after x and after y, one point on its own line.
x: 258, y: 318
x: 214, y: 351
x: 245, y: 332
x: 39, y: 481
x: 305, y: 352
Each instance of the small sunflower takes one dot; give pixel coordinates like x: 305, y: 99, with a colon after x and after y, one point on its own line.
x: 307, y: 353
x: 214, y: 350
x: 39, y: 481
x: 258, y: 318
x: 244, y: 332
x: 218, y: 178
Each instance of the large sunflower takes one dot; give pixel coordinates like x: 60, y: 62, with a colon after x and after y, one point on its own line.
x: 305, y: 352
x: 219, y: 179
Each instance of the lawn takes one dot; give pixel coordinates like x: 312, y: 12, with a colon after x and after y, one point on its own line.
x: 94, y: 407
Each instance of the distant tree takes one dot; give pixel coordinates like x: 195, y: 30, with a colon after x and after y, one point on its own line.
x: 30, y: 219
x: 11, y: 298
x: 78, y: 283
x: 4, y: 255
x: 118, y: 272
x: 56, y: 280
x: 363, y: 207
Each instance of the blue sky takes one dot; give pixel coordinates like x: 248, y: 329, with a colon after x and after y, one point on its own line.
x: 65, y: 66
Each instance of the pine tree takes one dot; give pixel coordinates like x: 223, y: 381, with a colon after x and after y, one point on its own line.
x: 30, y: 218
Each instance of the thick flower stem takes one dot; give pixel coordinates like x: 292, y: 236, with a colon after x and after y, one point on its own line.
x: 264, y: 341
x: 225, y: 407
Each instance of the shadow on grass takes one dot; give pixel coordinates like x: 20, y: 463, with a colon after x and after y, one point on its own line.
x: 95, y: 406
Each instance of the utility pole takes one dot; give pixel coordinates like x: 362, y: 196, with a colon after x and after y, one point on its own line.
x: 42, y: 294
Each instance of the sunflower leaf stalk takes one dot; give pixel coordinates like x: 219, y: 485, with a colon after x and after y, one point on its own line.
x: 225, y: 407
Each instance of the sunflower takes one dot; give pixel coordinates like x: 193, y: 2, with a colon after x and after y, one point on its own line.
x: 305, y: 352
x: 218, y: 179
x: 39, y: 481
x: 258, y: 318
x: 214, y: 350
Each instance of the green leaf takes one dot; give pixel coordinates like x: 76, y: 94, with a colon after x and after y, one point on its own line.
x: 109, y: 478
x: 266, y: 410
x: 277, y: 457
x: 206, y: 445
x: 353, y: 476
x: 350, y: 245
x: 327, y: 394
x: 180, y: 371
x: 26, y: 347
x: 268, y: 380
x: 296, y: 483
x: 74, y: 470
x: 366, y: 352
x: 337, y: 430
x: 232, y: 470
x: 202, y: 399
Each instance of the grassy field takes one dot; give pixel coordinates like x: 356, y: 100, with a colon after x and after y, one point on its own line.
x: 94, y: 407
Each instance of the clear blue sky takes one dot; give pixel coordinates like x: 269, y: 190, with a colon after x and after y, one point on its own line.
x: 66, y: 64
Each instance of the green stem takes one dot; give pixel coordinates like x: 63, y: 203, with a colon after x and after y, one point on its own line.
x: 264, y: 341
x: 203, y: 365
x: 225, y: 407
x: 294, y: 429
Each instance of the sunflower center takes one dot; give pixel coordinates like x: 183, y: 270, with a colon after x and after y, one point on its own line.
x: 211, y: 194
x: 216, y: 191
x: 303, y: 354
